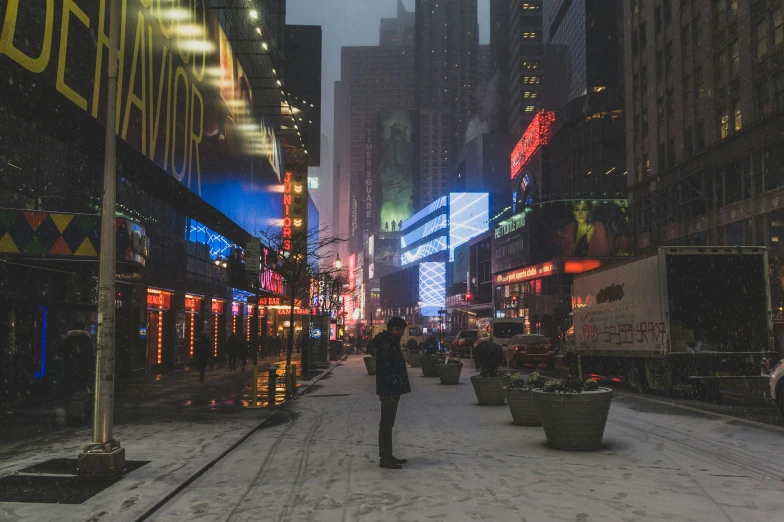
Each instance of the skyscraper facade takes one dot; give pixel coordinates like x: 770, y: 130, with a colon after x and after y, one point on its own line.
x: 447, y: 84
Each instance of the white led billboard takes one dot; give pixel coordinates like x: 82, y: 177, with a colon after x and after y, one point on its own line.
x: 432, y: 288
x: 433, y: 246
x: 469, y: 213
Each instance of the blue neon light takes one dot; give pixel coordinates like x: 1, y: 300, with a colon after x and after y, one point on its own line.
x: 44, y: 328
x: 428, y: 229
x: 422, y: 251
x: 240, y: 296
x: 432, y: 288
x: 432, y: 207
x: 220, y: 247
x: 469, y: 214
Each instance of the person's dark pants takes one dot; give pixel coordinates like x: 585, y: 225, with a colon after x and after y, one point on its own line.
x: 202, y: 369
x: 388, y: 414
x: 244, y: 360
x: 232, y: 361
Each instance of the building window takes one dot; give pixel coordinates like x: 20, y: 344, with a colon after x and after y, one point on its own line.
x: 686, y: 40
x: 657, y: 20
x: 659, y: 66
x: 697, y: 28
x: 643, y: 37
x: 636, y: 130
x: 670, y: 101
x: 734, y: 58
x: 724, y: 122
x: 778, y: 26
x: 667, y: 12
x: 761, y: 38
x: 646, y: 164
x: 635, y: 86
x: 671, y: 151
x: 644, y: 123
x: 644, y: 80
x: 662, y: 157
x: 737, y: 117
x: 688, y: 91
x: 635, y: 47
x: 699, y: 83
x: 778, y: 90
x: 699, y: 136
x: 688, y: 145
x: 668, y: 56
x: 764, y: 107
x: 638, y: 169
x: 660, y: 112
x: 722, y: 68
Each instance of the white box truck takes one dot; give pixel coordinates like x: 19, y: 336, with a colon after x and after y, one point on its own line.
x: 696, y: 316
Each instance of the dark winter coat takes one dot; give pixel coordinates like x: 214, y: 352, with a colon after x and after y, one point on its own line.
x: 233, y: 345
x: 391, y: 373
x: 202, y: 351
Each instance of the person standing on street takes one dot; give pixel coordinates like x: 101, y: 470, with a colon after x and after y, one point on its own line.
x: 233, y: 348
x: 391, y: 383
x: 202, y: 353
x: 243, y: 349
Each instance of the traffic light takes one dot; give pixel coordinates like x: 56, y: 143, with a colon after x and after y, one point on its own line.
x: 468, y: 297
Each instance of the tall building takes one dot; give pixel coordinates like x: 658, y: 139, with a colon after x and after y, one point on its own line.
x: 706, y: 104
x: 447, y: 83
x: 398, y: 31
x: 516, y: 49
x: 585, y: 155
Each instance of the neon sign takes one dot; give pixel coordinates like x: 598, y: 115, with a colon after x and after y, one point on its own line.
x: 295, y: 208
x: 525, y: 274
x: 160, y: 299
x: 536, y: 135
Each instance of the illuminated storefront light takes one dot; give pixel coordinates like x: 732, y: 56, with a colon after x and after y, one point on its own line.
x: 537, y: 134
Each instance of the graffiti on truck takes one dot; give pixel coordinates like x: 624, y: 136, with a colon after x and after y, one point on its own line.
x: 619, y: 334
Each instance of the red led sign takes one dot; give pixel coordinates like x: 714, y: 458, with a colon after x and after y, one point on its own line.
x: 578, y: 266
x: 158, y: 299
x: 218, y: 306
x: 192, y: 303
x: 536, y: 135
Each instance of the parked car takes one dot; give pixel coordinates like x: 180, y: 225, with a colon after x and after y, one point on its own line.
x: 531, y: 349
x: 777, y: 385
x: 463, y: 341
x: 501, y: 330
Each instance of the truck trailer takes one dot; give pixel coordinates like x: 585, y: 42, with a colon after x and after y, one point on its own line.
x: 681, y: 316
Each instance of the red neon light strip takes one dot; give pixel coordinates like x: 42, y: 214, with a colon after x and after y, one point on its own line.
x: 536, y: 135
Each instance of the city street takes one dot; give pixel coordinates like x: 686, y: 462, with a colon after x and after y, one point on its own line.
x: 467, y: 462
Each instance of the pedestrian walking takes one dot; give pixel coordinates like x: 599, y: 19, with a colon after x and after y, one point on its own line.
x: 233, y: 349
x: 202, y: 353
x: 391, y: 383
x: 243, y: 349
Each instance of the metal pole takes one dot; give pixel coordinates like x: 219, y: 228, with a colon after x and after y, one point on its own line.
x: 104, y: 456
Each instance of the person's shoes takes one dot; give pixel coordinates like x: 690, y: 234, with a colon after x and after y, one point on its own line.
x: 398, y: 461
x: 389, y: 464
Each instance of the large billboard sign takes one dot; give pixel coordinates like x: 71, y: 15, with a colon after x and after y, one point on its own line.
x: 536, y: 135
x: 432, y: 288
x: 579, y: 229
x: 469, y: 216
x: 368, y: 175
x: 396, y: 167
x: 295, y: 213
x: 184, y: 100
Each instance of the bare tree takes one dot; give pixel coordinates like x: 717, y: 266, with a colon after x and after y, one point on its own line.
x: 302, y: 259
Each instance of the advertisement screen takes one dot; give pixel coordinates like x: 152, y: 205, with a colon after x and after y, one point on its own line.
x: 460, y: 264
x: 184, y: 100
x: 432, y: 288
x: 386, y: 257
x: 579, y: 228
x: 396, y: 167
x: 428, y: 229
x: 469, y: 214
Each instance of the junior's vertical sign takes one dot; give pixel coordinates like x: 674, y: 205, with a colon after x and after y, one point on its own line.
x: 295, y: 212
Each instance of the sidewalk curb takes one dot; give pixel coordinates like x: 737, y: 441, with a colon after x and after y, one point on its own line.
x: 190, y: 480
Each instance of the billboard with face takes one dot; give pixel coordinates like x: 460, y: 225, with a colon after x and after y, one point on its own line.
x: 396, y: 167
x: 579, y: 228
x: 184, y: 100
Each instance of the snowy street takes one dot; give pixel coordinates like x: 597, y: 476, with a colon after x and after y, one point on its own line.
x: 318, y: 461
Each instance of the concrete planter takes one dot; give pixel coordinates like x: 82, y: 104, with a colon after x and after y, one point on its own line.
x: 370, y: 364
x: 522, y: 405
x: 489, y: 390
x: 574, y: 421
x: 429, y: 366
x: 449, y: 373
x: 412, y: 360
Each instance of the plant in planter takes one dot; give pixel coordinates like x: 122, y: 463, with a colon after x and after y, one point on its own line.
x: 429, y: 359
x: 411, y: 353
x: 520, y: 398
x: 573, y: 413
x: 449, y: 371
x: 489, y: 385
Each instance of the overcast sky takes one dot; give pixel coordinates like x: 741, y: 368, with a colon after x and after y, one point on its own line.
x: 352, y: 22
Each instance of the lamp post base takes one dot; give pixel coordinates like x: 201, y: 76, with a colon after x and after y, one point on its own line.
x: 101, y: 461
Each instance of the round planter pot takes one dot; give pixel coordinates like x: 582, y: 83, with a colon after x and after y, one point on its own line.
x: 429, y: 366
x: 574, y: 421
x: 522, y: 405
x: 412, y: 360
x: 489, y: 390
x: 370, y: 364
x: 449, y: 373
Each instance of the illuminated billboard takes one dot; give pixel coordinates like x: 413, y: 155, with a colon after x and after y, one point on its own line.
x: 396, y: 161
x: 441, y: 202
x: 536, y: 135
x: 432, y: 288
x: 460, y: 264
x: 431, y: 227
x: 184, y: 100
x: 579, y: 228
x: 433, y: 246
x: 469, y: 214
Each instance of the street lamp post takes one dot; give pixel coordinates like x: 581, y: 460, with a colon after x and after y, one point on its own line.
x: 104, y: 457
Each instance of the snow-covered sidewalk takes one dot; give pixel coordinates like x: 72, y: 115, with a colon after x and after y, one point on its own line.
x: 468, y: 462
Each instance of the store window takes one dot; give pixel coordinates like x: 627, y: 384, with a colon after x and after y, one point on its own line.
x: 724, y: 122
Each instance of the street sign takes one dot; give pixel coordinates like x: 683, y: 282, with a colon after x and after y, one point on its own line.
x: 252, y: 255
x: 316, y: 333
